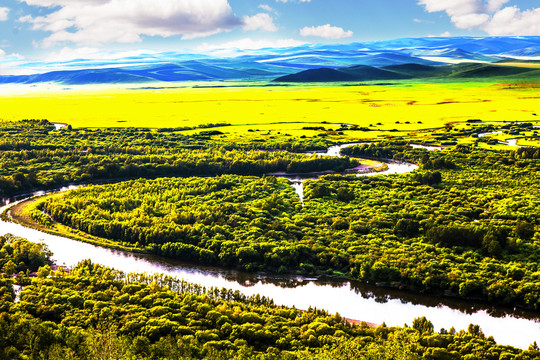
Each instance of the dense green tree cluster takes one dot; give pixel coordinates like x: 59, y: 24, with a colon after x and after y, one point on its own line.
x: 211, y: 220
x: 400, y: 151
x: 471, y: 232
x: 20, y: 256
x: 382, y: 150
x: 94, y: 312
x: 34, y: 155
x: 466, y: 236
x: 527, y: 153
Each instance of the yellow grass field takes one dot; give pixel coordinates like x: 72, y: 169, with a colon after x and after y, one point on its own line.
x: 533, y: 65
x: 404, y: 107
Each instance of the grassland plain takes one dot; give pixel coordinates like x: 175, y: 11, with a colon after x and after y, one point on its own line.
x: 499, y: 266
x: 403, y: 106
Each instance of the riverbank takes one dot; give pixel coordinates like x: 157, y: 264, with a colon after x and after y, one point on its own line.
x: 351, y: 299
x: 329, y: 293
x: 20, y: 214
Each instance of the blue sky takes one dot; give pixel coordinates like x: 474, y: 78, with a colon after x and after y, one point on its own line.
x: 64, y: 29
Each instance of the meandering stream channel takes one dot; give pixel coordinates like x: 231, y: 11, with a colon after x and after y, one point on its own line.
x: 392, y: 167
x: 351, y: 299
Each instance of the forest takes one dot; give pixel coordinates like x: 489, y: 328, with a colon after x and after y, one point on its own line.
x: 465, y: 224
x: 35, y: 156
x: 94, y: 312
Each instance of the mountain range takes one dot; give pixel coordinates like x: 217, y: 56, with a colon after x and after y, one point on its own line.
x: 384, y: 60
x: 516, y: 70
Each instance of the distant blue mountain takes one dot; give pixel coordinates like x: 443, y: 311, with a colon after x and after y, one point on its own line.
x: 265, y: 64
x: 187, y: 71
x: 412, y: 71
x: 478, y: 45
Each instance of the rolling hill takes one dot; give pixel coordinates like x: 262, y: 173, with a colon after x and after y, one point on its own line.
x: 412, y: 71
x: 382, y: 60
x: 354, y: 73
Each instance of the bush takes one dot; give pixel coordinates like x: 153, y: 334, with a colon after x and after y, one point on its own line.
x: 451, y: 235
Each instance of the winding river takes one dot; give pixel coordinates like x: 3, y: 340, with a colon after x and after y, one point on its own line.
x: 509, y: 142
x: 392, y: 167
x: 351, y: 299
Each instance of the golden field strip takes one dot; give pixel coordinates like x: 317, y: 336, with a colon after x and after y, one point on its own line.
x: 404, y: 107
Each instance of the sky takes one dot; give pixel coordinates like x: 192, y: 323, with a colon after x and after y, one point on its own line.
x: 58, y: 30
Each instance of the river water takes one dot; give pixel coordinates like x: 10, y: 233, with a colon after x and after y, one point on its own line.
x: 351, y: 299
x: 393, y: 167
x: 509, y: 142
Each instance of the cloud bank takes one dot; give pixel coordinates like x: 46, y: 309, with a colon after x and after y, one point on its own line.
x: 4, y: 11
x: 238, y: 47
x: 261, y: 21
x: 95, y: 22
x: 266, y: 7
x: 326, y: 31
x: 490, y: 16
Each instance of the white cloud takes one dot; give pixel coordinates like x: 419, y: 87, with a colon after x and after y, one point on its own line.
x: 67, y: 54
x: 260, y: 21
x: 13, y: 64
x: 469, y: 21
x: 495, y: 5
x: 444, y: 34
x: 453, y: 7
x: 4, y: 11
x: 90, y: 53
x: 326, y: 31
x: 231, y: 48
x: 463, y: 13
x: 488, y: 15
x: 512, y: 21
x: 94, y: 22
x: 266, y: 7
x: 420, y: 21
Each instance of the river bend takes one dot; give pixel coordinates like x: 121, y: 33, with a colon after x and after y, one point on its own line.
x: 351, y: 299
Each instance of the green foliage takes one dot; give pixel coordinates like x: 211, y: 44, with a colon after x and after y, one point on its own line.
x: 527, y: 153
x: 428, y: 177
x: 524, y: 230
x: 465, y: 224
x: 473, y: 235
x: 450, y: 236
x: 384, y: 150
x: 407, y: 227
x: 18, y: 254
x: 35, y: 210
x: 33, y: 155
x: 95, y: 312
x: 345, y: 194
x: 437, y: 163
